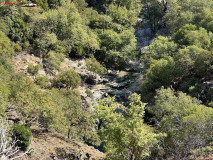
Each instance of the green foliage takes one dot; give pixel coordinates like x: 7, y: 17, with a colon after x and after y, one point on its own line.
x: 68, y: 79
x: 118, y: 48
x: 6, y: 48
x: 43, y: 82
x: 45, y: 43
x: 160, y: 73
x: 193, y: 57
x: 123, y: 132
x: 152, y: 11
x: 35, y: 105
x: 17, y: 48
x: 207, y: 21
x: 53, y: 3
x: 204, y: 151
x: 94, y: 66
x: 4, y: 27
x: 24, y: 135
x: 89, y: 93
x: 122, y: 15
x: 53, y: 60
x: 78, y: 122
x: 68, y: 25
x: 33, y: 69
x: 19, y: 31
x: 182, y: 118
x: 188, y: 35
x: 100, y: 5
x: 162, y: 47
x: 185, y: 12
x: 42, y: 3
x: 3, y: 104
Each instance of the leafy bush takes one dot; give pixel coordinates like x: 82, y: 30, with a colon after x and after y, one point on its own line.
x: 6, y: 48
x: 24, y: 135
x: 68, y: 79
x: 33, y: 69
x: 42, y: 81
x: 89, y: 93
x: 94, y: 66
x: 189, y: 35
x: 17, y: 48
x: 205, y: 151
x: 53, y: 60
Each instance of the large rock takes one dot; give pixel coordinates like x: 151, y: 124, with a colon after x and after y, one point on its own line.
x: 119, y: 93
x: 49, y: 146
x: 87, y: 78
x: 118, y: 85
x: 134, y: 66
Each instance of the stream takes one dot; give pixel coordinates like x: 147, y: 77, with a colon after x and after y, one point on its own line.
x: 120, y: 84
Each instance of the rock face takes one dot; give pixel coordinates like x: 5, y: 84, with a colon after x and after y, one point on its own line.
x: 111, y: 84
x: 49, y: 146
x: 143, y: 35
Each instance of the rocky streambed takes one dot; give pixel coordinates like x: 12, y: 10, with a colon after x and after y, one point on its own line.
x: 116, y: 83
x: 119, y: 84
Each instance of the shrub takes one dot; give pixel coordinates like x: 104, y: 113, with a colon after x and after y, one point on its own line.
x: 17, y: 48
x: 33, y: 69
x: 26, y: 44
x: 53, y: 60
x: 89, y: 93
x: 204, y: 151
x: 94, y: 66
x: 9, y: 149
x: 68, y: 79
x: 6, y: 48
x: 42, y: 81
x: 24, y: 135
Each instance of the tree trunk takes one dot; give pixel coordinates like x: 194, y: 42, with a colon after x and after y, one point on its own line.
x: 132, y: 157
x: 68, y: 135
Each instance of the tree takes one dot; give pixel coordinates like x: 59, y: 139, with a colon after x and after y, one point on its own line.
x: 193, y: 60
x: 187, y: 123
x: 160, y: 73
x: 45, y: 43
x: 185, y: 12
x: 20, y: 32
x: 153, y: 12
x: 123, y: 132
x: 70, y: 26
x: 122, y: 16
x: 78, y: 122
x: 188, y: 35
x: 118, y: 48
x: 162, y: 47
x: 68, y: 79
x: 179, y: 36
x: 101, y: 5
x: 43, y: 4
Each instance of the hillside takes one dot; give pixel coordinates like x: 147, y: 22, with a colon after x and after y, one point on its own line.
x: 106, y: 79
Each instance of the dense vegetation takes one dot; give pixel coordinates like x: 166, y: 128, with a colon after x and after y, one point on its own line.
x: 175, y: 98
